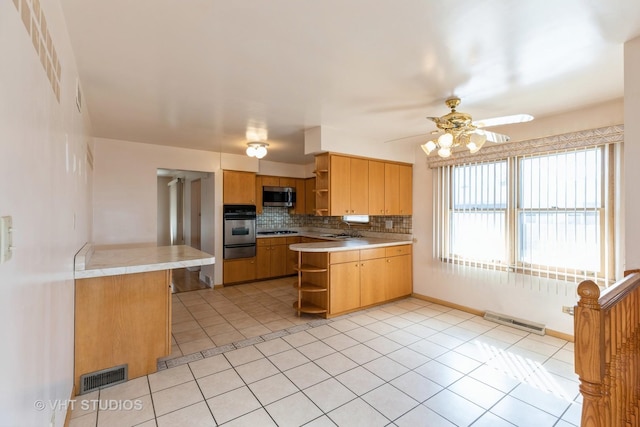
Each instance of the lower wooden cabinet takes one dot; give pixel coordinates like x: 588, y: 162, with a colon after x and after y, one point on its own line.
x: 122, y: 319
x: 239, y: 270
x: 344, y: 281
x: 370, y: 276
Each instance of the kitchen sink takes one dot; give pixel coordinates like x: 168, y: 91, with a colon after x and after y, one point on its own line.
x: 338, y: 236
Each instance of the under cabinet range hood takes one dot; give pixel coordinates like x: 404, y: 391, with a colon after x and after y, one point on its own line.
x: 278, y: 196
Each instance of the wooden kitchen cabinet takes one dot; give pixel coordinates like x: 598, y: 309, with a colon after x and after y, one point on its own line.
x: 239, y: 187
x: 344, y: 281
x: 376, y: 187
x: 122, y: 319
x: 239, y: 270
x: 372, y: 276
x: 349, y: 186
x: 300, y: 207
x: 310, y: 195
x: 271, y: 257
x: 398, y: 271
x: 405, y: 190
x: 391, y: 187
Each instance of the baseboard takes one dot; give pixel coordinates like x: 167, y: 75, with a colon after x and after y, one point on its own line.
x: 449, y: 304
x: 550, y: 332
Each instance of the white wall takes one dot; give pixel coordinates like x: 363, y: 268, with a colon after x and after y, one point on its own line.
x: 632, y: 154
x: 125, y: 180
x: 125, y: 194
x: 518, y: 295
x: 45, y: 187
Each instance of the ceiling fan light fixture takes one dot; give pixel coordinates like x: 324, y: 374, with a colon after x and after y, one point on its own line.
x: 476, y: 141
x: 445, y: 140
x: 428, y: 147
x: 257, y: 149
x: 444, y: 152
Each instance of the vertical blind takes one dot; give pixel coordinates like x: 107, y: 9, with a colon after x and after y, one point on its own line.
x: 541, y: 214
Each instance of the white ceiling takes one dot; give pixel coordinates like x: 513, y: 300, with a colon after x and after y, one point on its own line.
x: 199, y: 73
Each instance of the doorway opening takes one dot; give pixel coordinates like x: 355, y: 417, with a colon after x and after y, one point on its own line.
x: 185, y: 217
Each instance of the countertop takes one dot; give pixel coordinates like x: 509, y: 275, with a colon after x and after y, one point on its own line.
x: 350, y: 244
x: 92, y: 261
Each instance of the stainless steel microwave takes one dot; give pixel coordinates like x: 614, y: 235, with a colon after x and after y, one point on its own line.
x: 278, y: 196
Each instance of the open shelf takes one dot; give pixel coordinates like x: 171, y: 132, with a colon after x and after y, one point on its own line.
x: 308, y: 268
x: 308, y: 308
x: 309, y: 287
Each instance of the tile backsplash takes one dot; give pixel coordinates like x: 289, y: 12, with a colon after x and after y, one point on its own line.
x: 276, y: 218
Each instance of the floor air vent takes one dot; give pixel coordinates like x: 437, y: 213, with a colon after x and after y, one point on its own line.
x: 525, y: 325
x: 104, y: 378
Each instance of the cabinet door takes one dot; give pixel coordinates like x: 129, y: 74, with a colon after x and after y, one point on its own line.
x: 391, y: 188
x: 259, y: 184
x: 239, y: 187
x: 287, y: 182
x: 339, y: 188
x: 372, y: 281
x: 344, y: 291
x: 300, y: 207
x: 359, y: 187
x: 278, y: 258
x: 239, y: 270
x: 310, y: 196
x: 263, y: 258
x: 405, y: 189
x: 398, y: 276
x: 376, y: 188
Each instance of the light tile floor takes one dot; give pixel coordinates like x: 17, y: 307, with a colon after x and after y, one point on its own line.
x: 407, y: 363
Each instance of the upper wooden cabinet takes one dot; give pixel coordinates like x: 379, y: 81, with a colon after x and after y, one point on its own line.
x: 310, y: 196
x: 405, y: 191
x: 376, y: 187
x: 348, y: 185
x: 239, y: 187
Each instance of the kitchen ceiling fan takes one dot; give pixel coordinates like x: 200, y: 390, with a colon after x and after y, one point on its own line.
x: 458, y: 129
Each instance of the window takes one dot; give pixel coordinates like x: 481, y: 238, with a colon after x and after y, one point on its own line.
x: 542, y: 214
x: 360, y: 219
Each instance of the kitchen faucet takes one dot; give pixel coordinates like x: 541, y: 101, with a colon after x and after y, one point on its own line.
x: 350, y: 233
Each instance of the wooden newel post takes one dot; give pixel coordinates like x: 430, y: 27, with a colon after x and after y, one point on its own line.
x: 589, y: 360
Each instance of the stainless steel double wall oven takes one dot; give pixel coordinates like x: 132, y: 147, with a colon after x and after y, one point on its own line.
x: 239, y: 231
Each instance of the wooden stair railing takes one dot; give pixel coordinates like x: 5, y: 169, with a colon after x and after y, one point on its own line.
x: 607, y: 352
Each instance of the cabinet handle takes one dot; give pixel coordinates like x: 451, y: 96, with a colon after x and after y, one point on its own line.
x: 388, y: 260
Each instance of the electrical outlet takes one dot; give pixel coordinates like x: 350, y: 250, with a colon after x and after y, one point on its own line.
x: 567, y: 310
x: 388, y: 224
x: 6, y: 238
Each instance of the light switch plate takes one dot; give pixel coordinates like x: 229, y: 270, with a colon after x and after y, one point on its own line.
x: 6, y: 238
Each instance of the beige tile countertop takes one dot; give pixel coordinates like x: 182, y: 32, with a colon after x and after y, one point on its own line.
x: 92, y: 261
x: 349, y: 244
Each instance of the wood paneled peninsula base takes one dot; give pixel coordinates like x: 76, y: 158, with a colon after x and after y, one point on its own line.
x: 123, y: 308
x: 335, y: 278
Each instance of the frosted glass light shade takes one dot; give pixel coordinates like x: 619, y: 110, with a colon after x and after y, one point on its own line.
x: 428, y: 147
x: 256, y: 149
x: 444, y: 152
x: 445, y: 140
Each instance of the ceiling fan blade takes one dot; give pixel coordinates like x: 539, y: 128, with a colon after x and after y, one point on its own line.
x: 504, y: 120
x: 493, y: 136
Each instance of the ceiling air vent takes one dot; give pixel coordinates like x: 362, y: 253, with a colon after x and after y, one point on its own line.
x: 104, y: 378
x: 525, y: 325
